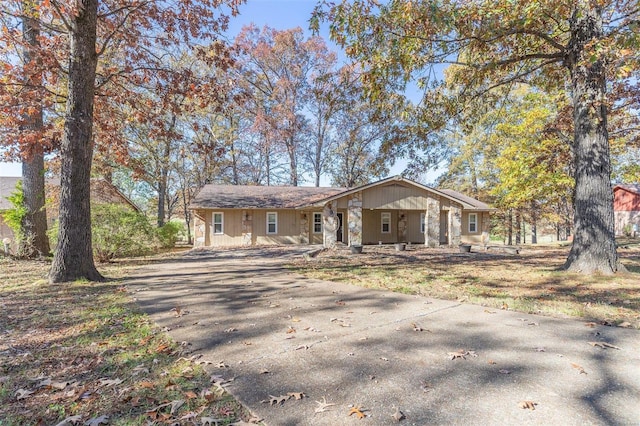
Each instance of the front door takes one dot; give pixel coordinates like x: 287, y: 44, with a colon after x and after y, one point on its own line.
x: 339, y: 231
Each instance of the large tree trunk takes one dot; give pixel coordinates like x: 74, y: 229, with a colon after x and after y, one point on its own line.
x: 594, y: 245
x: 74, y: 257
x: 34, y: 241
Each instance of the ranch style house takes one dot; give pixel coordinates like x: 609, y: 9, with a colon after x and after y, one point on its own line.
x: 391, y: 210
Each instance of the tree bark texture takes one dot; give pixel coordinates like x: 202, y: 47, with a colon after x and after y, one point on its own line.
x: 35, y: 241
x: 74, y: 257
x: 594, y: 245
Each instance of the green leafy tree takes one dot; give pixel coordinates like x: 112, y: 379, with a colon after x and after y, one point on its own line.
x: 14, y: 216
x: 583, y: 44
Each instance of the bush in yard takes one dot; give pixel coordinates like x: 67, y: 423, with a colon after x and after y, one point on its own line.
x: 14, y: 216
x: 168, y: 234
x: 117, y: 231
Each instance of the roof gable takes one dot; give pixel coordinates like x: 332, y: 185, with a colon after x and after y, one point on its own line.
x: 102, y: 191
x: 468, y: 203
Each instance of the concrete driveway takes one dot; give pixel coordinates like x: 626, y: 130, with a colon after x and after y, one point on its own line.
x: 278, y: 334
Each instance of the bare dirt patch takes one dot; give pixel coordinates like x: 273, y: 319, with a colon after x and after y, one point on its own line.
x: 531, y: 281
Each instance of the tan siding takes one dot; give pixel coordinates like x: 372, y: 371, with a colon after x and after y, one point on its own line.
x: 372, y: 227
x: 232, y: 228
x: 314, y: 238
x: 288, y: 227
x: 394, y: 197
x: 413, y: 227
x: 465, y: 224
x: 475, y: 237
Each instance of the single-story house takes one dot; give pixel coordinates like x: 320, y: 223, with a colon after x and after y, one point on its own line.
x: 102, y: 192
x: 391, y: 210
x: 626, y: 207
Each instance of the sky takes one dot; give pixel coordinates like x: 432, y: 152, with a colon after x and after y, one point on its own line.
x: 278, y: 14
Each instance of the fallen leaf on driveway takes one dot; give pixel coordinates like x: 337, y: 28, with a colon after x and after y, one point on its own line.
x: 504, y: 371
x: 398, y: 415
x: 579, y: 368
x: 358, y: 412
x: 340, y: 322
x: 322, y: 406
x: 416, y: 327
x: 462, y: 354
x: 530, y: 405
x: 276, y: 400
x: 296, y: 395
x: 603, y: 345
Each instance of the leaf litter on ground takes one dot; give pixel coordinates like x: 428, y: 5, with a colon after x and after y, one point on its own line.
x: 87, y: 339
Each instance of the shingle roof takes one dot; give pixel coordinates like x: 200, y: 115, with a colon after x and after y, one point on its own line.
x: 101, y: 191
x: 635, y: 188
x: 291, y: 197
x: 263, y: 197
x: 478, y: 205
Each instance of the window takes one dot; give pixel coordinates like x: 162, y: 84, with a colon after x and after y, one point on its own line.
x: 317, y: 223
x: 386, y: 223
x: 218, y: 223
x: 422, y: 224
x: 272, y: 223
x: 473, y: 222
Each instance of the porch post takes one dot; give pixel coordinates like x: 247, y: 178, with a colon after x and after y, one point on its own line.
x: 432, y: 223
x: 455, y: 225
x: 354, y: 219
x: 329, y: 226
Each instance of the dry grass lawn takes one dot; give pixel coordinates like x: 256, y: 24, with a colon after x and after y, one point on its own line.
x: 529, y: 282
x: 82, y: 353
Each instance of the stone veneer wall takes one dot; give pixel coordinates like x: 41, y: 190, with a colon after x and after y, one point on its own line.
x: 455, y: 225
x: 330, y: 226
x: 354, y: 219
x: 432, y: 225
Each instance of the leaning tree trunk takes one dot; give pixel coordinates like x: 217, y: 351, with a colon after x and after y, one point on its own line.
x: 74, y: 257
x: 594, y: 245
x: 34, y: 241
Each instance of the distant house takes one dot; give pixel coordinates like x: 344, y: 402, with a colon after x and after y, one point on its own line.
x: 626, y: 207
x: 102, y: 192
x: 388, y: 211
